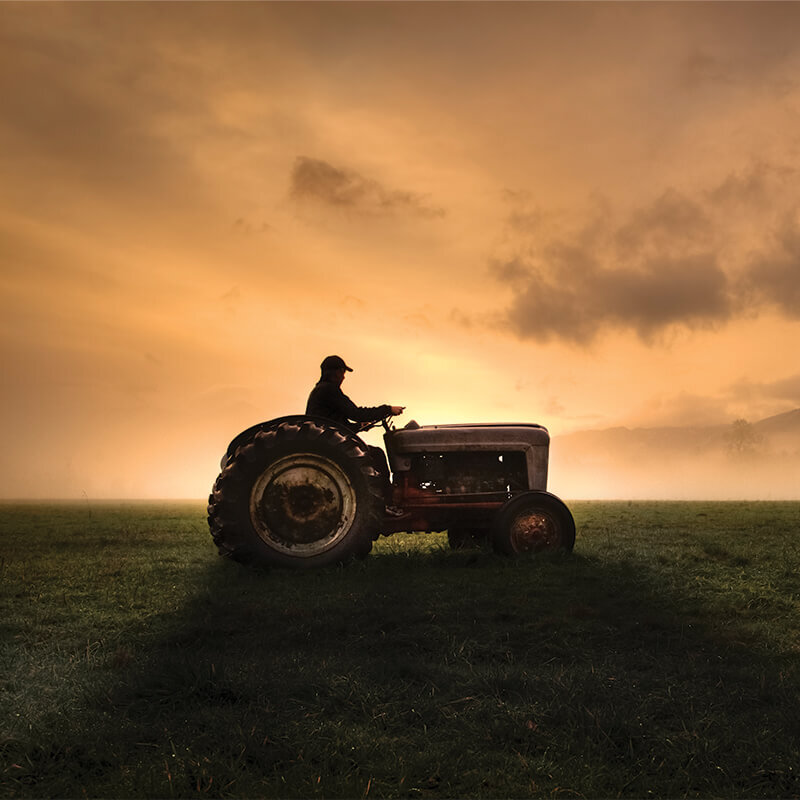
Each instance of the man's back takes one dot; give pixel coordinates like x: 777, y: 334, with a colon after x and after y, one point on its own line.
x: 326, y: 400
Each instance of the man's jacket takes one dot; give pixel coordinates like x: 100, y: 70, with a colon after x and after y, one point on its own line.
x: 328, y: 400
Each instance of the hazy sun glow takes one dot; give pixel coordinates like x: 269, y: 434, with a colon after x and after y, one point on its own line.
x: 581, y: 214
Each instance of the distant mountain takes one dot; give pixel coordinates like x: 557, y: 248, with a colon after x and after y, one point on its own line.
x: 734, y: 460
x: 782, y: 429
x: 788, y: 421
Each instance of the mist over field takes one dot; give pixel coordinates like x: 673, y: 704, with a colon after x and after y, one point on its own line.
x: 737, y: 461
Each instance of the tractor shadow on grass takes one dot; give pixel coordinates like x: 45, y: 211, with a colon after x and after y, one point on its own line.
x: 456, y: 674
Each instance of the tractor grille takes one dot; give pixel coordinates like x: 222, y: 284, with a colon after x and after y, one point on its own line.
x: 470, y: 473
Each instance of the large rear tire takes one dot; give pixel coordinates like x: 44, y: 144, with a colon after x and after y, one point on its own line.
x: 533, y: 522
x: 298, y: 494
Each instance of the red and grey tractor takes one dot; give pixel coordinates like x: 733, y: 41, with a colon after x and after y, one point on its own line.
x: 302, y: 491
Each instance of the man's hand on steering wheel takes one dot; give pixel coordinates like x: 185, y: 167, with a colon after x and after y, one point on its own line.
x: 393, y: 412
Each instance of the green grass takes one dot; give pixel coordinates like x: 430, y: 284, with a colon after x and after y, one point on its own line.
x: 661, y: 659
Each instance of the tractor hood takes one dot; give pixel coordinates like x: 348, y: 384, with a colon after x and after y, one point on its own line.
x: 533, y: 440
x: 470, y: 436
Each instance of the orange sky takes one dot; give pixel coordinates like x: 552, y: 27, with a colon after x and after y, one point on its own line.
x: 583, y: 215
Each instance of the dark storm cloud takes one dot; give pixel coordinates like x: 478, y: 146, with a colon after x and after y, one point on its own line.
x: 774, y: 273
x: 685, y: 259
x: 578, y: 297
x: 672, y: 221
x: 515, y: 272
x: 314, y: 180
x: 662, y: 266
x: 657, y: 269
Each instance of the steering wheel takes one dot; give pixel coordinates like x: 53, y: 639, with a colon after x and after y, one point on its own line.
x: 385, y: 421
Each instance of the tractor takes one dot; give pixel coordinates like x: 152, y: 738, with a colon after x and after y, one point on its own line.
x: 302, y: 491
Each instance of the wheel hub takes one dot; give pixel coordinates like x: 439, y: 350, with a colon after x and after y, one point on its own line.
x: 532, y: 531
x: 302, y: 503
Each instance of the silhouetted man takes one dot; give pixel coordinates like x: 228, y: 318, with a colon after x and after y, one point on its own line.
x: 328, y: 400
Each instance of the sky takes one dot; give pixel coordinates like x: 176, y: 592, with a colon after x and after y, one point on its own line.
x: 585, y: 215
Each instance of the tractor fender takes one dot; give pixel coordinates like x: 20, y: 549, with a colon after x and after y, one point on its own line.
x: 250, y: 433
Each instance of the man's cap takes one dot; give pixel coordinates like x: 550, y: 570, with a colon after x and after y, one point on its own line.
x: 334, y: 362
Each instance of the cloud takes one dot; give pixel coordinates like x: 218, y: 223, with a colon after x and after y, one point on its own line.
x: 65, y: 112
x: 514, y: 271
x: 752, y: 187
x: 756, y: 50
x: 700, y: 68
x: 246, y: 227
x: 685, y: 259
x: 786, y: 389
x: 317, y: 181
x: 578, y: 297
x: 672, y: 221
x: 774, y: 273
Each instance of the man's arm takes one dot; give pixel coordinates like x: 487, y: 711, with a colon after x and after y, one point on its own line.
x: 362, y: 413
x: 330, y: 401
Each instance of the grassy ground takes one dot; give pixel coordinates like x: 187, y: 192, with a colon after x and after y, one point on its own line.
x: 661, y: 659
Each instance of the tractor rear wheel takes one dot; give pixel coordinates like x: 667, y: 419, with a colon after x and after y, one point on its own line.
x: 300, y: 494
x: 533, y: 522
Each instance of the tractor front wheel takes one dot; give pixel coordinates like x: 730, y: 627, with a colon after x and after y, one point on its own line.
x: 533, y: 522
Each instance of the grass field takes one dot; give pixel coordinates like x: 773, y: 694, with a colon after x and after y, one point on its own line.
x: 661, y: 659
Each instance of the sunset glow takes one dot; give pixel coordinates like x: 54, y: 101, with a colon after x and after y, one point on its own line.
x: 585, y: 215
